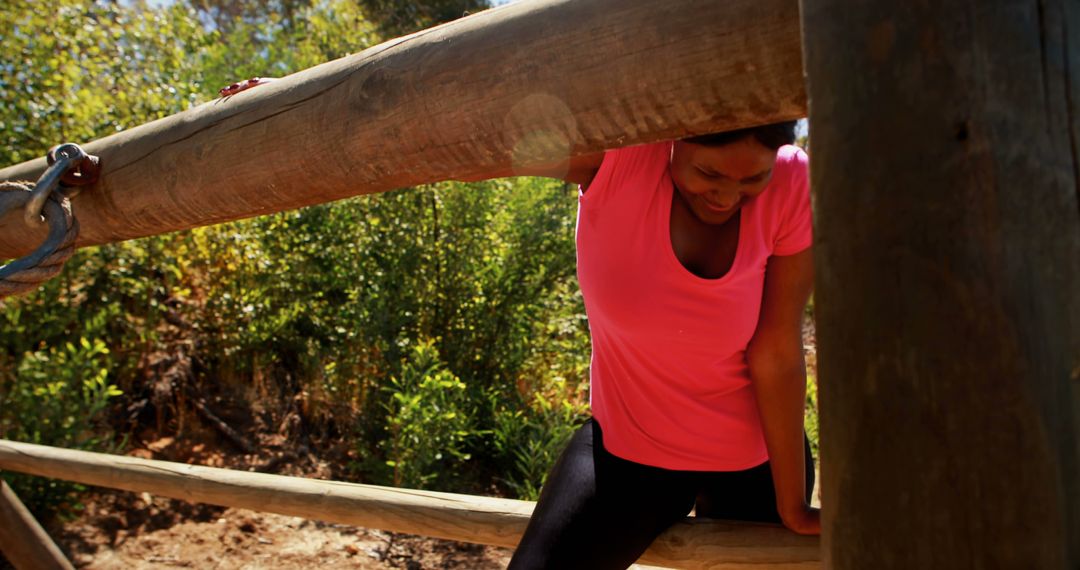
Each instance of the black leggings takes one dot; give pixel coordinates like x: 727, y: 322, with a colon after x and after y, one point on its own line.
x: 598, y: 511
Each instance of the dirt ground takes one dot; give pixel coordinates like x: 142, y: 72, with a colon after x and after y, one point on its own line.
x: 122, y: 531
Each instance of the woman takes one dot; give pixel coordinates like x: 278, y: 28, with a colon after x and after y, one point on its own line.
x: 695, y: 265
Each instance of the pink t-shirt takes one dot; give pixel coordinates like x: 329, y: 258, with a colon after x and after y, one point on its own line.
x: 670, y: 383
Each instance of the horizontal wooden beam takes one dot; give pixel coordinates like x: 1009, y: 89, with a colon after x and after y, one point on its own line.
x: 529, y: 83
x: 694, y: 544
x: 22, y: 541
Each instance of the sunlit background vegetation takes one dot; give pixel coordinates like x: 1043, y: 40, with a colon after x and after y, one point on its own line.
x: 430, y: 337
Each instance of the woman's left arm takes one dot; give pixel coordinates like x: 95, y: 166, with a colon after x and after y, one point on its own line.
x: 778, y: 374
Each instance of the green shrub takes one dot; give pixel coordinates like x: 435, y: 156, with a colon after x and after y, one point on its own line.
x: 810, y: 422
x: 58, y: 397
x: 530, y: 438
x: 429, y: 420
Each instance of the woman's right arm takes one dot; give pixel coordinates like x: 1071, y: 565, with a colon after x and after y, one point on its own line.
x: 576, y: 170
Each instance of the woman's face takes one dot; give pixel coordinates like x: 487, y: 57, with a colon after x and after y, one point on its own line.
x: 716, y: 181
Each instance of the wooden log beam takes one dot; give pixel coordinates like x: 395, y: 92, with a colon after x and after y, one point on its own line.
x: 693, y: 544
x: 529, y: 83
x: 945, y: 172
x: 22, y: 540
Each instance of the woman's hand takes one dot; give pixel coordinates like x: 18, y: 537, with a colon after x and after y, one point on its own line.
x: 243, y: 85
x: 806, y: 520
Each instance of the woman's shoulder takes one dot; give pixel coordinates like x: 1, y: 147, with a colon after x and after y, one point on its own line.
x: 632, y: 161
x: 793, y: 159
x: 643, y: 157
x: 787, y: 214
x: 632, y: 165
x: 791, y: 173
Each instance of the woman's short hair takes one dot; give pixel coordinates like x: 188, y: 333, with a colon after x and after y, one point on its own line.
x: 771, y: 136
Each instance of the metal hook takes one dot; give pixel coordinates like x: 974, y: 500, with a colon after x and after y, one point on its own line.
x: 68, y: 156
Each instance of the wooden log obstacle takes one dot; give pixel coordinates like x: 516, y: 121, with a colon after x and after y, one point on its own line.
x: 692, y: 544
x: 529, y: 83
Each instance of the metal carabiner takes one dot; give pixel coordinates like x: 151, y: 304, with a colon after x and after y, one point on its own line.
x: 68, y: 156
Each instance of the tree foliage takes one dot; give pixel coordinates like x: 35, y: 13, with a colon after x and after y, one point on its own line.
x: 224, y: 15
x: 76, y: 70
x: 449, y: 309
x: 399, y: 18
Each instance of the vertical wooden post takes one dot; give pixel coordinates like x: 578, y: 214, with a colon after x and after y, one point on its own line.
x: 22, y: 540
x: 945, y: 176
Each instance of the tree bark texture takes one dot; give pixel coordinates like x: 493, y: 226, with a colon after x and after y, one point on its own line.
x: 945, y: 184
x: 530, y: 83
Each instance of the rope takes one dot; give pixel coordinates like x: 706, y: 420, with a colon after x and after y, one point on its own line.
x: 27, y: 273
